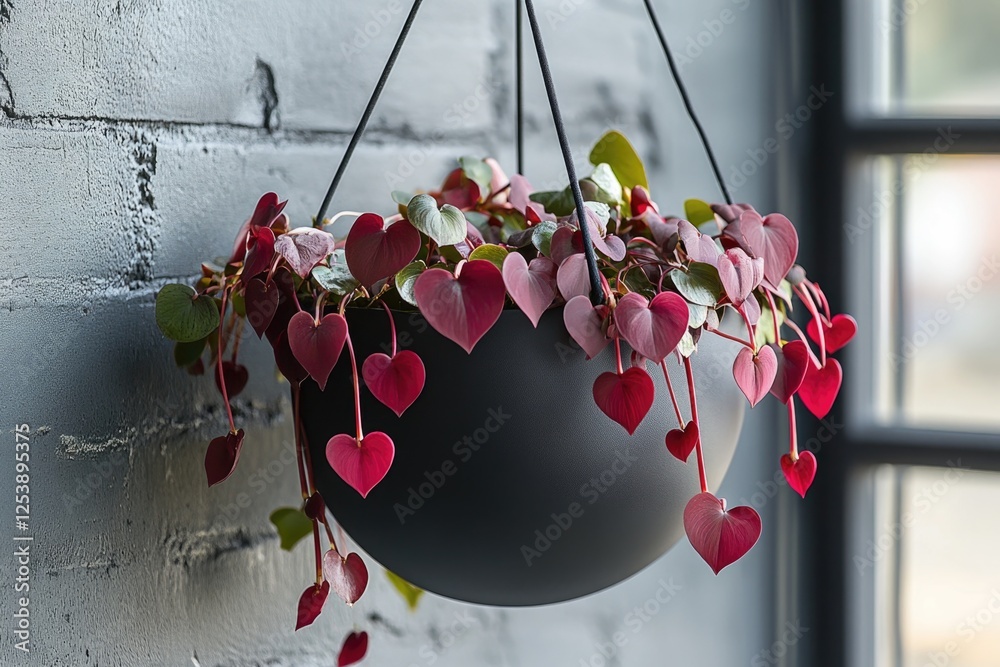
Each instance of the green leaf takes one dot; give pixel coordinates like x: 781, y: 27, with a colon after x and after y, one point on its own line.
x: 239, y: 304
x: 478, y: 172
x: 698, y: 212
x: 409, y: 592
x: 687, y: 346
x: 292, y: 525
x: 604, y: 178
x: 186, y: 354
x: 700, y: 285
x: 406, y: 277
x: 402, y: 199
x: 616, y: 151
x: 556, y: 202
x: 446, y: 226
x: 336, y: 278
x: 696, y: 315
x: 184, y: 317
x: 491, y: 253
x: 541, y: 236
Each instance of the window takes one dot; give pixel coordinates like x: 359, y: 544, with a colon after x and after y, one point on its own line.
x: 905, y: 198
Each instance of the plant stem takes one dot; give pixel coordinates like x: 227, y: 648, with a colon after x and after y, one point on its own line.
x: 218, y: 359
x: 820, y: 327
x: 618, y: 356
x: 729, y: 337
x: 798, y: 332
x: 794, y: 449
x: 750, y: 329
x: 673, y: 397
x: 357, y: 389
x: 392, y: 326
x: 299, y: 456
x: 774, y: 318
x: 319, y: 553
x: 237, y: 339
x: 702, y: 476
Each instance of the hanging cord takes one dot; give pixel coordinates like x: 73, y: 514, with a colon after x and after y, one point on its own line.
x: 596, y: 293
x: 687, y: 101
x: 366, y: 116
x: 519, y: 85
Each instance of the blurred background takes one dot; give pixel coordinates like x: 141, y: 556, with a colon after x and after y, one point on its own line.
x: 136, y: 135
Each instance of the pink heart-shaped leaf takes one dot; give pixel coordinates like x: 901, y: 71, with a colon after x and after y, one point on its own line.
x: 793, y: 363
x: 681, y: 441
x: 222, y: 456
x: 353, y: 650
x: 653, y: 328
x: 235, y: 375
x: 375, y: 252
x: 561, y: 246
x: 362, y: 464
x: 583, y: 322
x: 311, y: 604
x: 573, y: 278
x: 800, y: 472
x: 740, y: 274
x: 772, y: 238
x: 755, y: 374
x: 626, y: 398
x: 260, y: 252
x: 261, y: 304
x: 837, y: 334
x: 699, y: 247
x: 305, y: 247
x: 820, y: 387
x: 462, y: 309
x: 348, y: 577
x: 317, y: 345
x: 720, y: 537
x: 532, y: 287
x: 395, y: 381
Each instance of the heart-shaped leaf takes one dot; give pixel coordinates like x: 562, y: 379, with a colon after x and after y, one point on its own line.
x: 235, y: 375
x: 353, y: 650
x: 187, y: 354
x: 348, y: 577
x: 740, y: 274
x: 820, y: 387
x: 837, y: 334
x: 698, y: 212
x: 409, y: 592
x: 492, y: 253
x: 374, y: 252
x: 446, y: 226
x: 532, y: 287
x: 793, y: 363
x: 626, y: 398
x: 362, y: 464
x: 317, y: 345
x: 772, y: 238
x: 699, y: 247
x: 305, y: 247
x: 336, y: 279
x: 653, y: 328
x: 285, y: 360
x: 260, y: 252
x: 406, y: 278
x: 700, y: 284
x: 395, y: 381
x: 292, y: 525
x: 222, y: 456
x: 183, y: 315
x: 720, y: 537
x: 755, y: 374
x: 462, y: 309
x: 573, y: 277
x: 615, y: 150
x: 561, y: 245
x: 681, y: 442
x: 583, y: 322
x: 261, y: 304
x: 799, y: 472
x: 311, y: 604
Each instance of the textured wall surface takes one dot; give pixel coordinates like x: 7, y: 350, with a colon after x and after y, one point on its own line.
x: 135, y: 136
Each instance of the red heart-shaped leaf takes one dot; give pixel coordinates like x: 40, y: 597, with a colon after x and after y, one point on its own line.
x: 395, y: 381
x: 354, y: 649
x: 720, y: 537
x: 317, y: 345
x: 800, y: 472
x: 583, y: 322
x: 286, y: 362
x: 235, y: 375
x: 793, y: 363
x: 641, y: 201
x: 772, y: 238
x: 462, y: 309
x: 305, y: 247
x: 361, y: 464
x: 681, y: 441
x: 532, y: 287
x: 820, y: 387
x: 348, y: 577
x: 626, y: 398
x: 260, y: 252
x: 311, y: 604
x: 375, y: 252
x: 653, y: 328
x: 837, y: 334
x: 755, y: 374
x: 261, y: 304
x: 222, y: 456
x: 740, y: 274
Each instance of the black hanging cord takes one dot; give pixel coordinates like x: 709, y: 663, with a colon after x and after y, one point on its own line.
x: 687, y: 101
x: 519, y: 85
x: 596, y: 293
x: 366, y: 116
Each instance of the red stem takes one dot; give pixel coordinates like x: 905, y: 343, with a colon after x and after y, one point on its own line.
x: 618, y: 356
x: 673, y: 397
x: 703, y: 478
x: 299, y: 456
x: 774, y: 318
x: 222, y: 377
x: 357, y: 389
x: 750, y: 330
x: 794, y: 448
x: 729, y: 337
x: 392, y: 326
x: 820, y: 328
x: 319, y: 553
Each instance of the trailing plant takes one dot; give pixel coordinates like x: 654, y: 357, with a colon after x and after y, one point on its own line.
x: 484, y: 242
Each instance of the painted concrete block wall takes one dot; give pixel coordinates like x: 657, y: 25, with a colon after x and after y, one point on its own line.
x: 135, y: 135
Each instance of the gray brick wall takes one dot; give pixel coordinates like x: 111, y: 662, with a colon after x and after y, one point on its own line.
x: 134, y: 138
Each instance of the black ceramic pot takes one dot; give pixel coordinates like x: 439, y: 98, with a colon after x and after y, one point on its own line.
x: 509, y: 486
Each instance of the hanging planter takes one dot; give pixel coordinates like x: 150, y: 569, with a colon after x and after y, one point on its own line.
x: 514, y: 397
